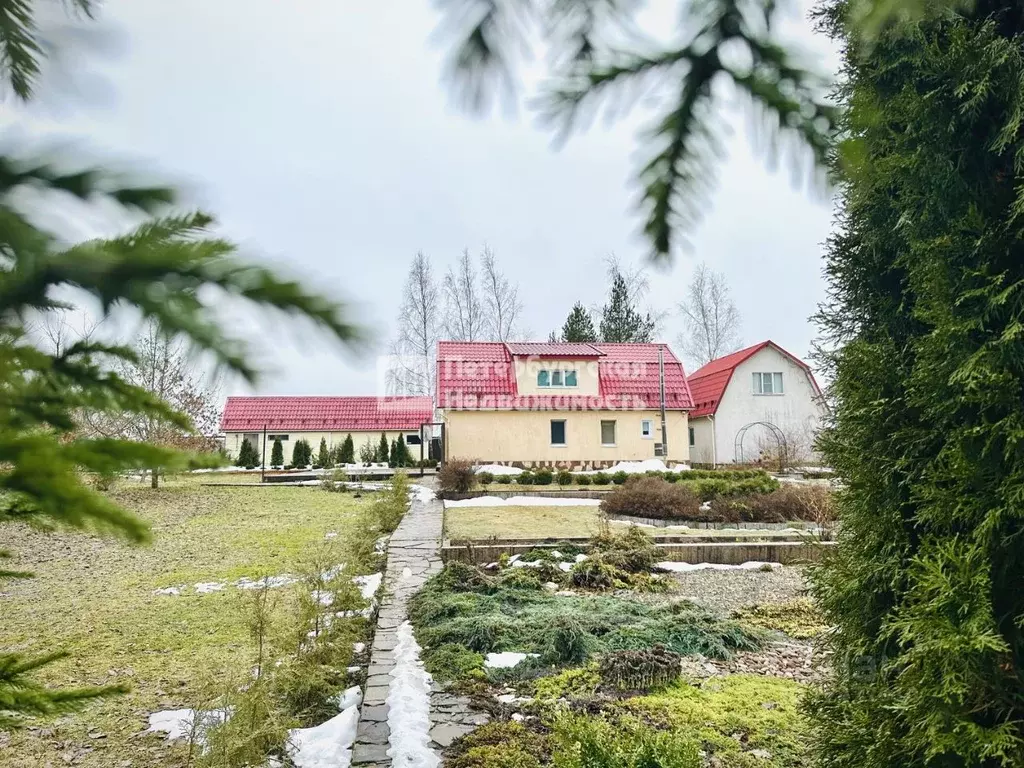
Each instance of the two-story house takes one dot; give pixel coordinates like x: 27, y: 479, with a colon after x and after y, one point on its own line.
x: 561, y: 404
x: 746, y: 402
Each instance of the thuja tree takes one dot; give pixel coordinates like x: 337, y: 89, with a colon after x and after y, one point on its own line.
x: 247, y: 455
x: 926, y: 312
x: 323, y: 456
x: 347, y: 452
x: 277, y: 454
x: 383, y: 449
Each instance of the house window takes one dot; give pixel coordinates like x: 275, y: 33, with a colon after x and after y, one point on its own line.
x: 412, y: 439
x: 558, y: 432
x: 693, y: 441
x: 767, y: 383
x: 556, y: 378
x: 272, y: 438
x: 607, y: 433
x: 646, y: 428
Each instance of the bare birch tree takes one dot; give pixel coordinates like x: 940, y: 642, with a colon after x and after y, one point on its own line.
x: 413, y: 362
x: 502, y: 306
x: 463, y: 306
x: 711, y: 320
x: 164, y: 367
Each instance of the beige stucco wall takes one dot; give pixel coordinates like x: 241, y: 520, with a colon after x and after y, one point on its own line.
x: 526, y: 376
x: 233, y: 441
x: 525, y: 436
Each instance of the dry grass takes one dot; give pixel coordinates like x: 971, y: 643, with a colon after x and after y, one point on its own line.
x: 520, y: 522
x: 94, y: 598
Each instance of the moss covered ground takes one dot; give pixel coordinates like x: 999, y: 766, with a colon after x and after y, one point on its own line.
x: 94, y: 598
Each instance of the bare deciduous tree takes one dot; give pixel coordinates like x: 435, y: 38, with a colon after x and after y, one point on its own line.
x: 463, y: 307
x: 165, y: 368
x: 502, y: 306
x: 711, y: 320
x: 414, y: 351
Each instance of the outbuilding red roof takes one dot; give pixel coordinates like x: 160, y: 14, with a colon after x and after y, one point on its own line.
x: 325, y: 414
x: 482, y: 376
x: 707, y: 384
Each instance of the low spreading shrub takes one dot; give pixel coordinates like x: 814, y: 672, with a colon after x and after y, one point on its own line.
x: 584, y: 741
x: 810, y: 503
x: 620, y: 477
x: 456, y: 476
x: 564, y: 477
x: 739, y: 483
x: 596, y: 573
x: 800, y: 619
x: 525, y: 477
x: 483, y: 614
x: 583, y: 479
x: 504, y: 479
x: 601, y: 478
x: 632, y: 551
x: 485, y: 478
x: 454, y: 662
x: 652, y: 497
x: 543, y: 477
x: 500, y: 745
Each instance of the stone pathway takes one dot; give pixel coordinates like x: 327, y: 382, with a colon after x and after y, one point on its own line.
x: 413, y: 557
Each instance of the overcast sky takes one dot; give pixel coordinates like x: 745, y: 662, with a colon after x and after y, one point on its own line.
x: 321, y: 135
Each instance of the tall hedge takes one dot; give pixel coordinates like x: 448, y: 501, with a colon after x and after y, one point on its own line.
x: 926, y: 310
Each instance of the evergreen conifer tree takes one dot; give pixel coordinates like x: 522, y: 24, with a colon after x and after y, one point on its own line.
x: 620, y: 319
x: 247, y: 455
x: 923, y: 342
x: 404, y: 456
x: 579, y: 327
x: 347, y: 454
x: 323, y: 456
x: 277, y: 454
x: 393, y: 454
x: 383, y: 449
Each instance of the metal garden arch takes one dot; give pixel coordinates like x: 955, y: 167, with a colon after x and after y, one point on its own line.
x: 780, y: 438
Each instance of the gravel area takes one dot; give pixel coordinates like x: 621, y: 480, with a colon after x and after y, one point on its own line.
x: 727, y: 591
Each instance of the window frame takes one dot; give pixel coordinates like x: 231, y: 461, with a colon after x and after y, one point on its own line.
x: 409, y: 438
x: 557, y: 378
x: 283, y: 437
x: 650, y: 429
x: 551, y: 433
x: 543, y: 378
x: 693, y: 437
x: 575, y: 378
x: 760, y: 377
x: 615, y: 435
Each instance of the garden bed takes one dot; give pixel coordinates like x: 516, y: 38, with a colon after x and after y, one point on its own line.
x: 610, y: 660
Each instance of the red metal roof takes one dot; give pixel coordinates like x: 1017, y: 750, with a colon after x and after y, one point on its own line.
x: 553, y: 349
x: 325, y: 414
x: 482, y: 376
x: 707, y: 384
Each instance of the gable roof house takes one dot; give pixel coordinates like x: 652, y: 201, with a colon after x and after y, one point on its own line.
x: 329, y: 418
x: 746, y: 402
x: 560, y: 404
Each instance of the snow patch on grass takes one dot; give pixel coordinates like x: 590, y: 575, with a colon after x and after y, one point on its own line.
x: 498, y: 469
x: 637, y: 468
x: 328, y: 745
x: 178, y: 723
x: 752, y: 565
x: 506, y: 660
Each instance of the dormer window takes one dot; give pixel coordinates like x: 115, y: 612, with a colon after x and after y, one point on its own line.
x: 556, y: 377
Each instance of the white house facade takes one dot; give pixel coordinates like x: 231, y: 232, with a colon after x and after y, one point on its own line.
x: 753, y: 403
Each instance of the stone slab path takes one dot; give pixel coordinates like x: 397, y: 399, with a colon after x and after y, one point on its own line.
x: 413, y: 557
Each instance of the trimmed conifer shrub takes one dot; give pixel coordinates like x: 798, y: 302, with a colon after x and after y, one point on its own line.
x: 347, y: 454
x: 277, y: 454
x: 383, y: 450
x: 247, y: 455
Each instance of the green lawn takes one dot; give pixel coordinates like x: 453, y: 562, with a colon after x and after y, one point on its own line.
x: 93, y: 597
